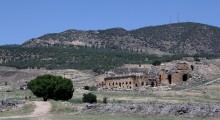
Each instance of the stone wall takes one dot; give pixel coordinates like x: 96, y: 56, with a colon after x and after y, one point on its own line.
x: 123, y: 83
x: 182, y: 73
x: 182, y: 66
x: 163, y: 78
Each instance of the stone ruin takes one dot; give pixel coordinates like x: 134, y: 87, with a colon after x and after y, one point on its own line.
x: 136, y: 78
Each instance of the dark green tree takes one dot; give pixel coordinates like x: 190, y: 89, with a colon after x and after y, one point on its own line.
x: 51, y: 87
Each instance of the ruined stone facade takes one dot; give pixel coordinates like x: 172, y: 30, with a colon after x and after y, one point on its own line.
x: 126, y: 82
x: 154, y: 76
x: 182, y: 72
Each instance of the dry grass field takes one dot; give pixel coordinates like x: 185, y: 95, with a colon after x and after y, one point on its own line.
x: 68, y: 110
x: 207, y: 93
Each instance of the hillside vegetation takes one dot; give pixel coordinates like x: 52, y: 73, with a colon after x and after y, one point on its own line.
x: 98, y: 60
x: 81, y: 58
x: 178, y: 38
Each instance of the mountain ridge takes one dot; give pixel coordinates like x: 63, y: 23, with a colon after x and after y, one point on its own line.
x: 177, y: 38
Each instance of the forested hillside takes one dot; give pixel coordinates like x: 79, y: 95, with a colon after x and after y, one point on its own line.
x: 98, y: 60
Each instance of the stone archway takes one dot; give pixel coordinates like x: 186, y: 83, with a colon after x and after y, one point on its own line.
x: 185, y: 77
x: 119, y: 84
x: 170, y: 79
x: 152, y: 84
x: 142, y: 83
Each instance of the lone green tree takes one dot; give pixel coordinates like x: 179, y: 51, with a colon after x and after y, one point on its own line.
x: 51, y: 87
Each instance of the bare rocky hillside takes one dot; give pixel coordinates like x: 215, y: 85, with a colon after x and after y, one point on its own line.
x: 178, y: 38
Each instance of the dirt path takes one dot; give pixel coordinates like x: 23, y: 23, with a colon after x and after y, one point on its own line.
x: 40, y: 112
x: 41, y: 108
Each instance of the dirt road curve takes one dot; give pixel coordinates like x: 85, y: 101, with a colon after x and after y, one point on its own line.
x: 40, y: 112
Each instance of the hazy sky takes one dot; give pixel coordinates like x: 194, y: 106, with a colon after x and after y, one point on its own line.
x: 21, y: 20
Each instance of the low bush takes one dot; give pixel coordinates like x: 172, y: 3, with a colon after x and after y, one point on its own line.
x: 156, y: 63
x: 89, y: 98
x: 86, y: 88
x: 105, y: 100
x: 90, y: 88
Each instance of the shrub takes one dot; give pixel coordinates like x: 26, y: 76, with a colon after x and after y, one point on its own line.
x: 51, y: 87
x: 197, y: 59
x: 93, y: 88
x: 156, y: 63
x: 105, y: 100
x: 89, y: 98
x: 90, y: 88
x: 86, y: 87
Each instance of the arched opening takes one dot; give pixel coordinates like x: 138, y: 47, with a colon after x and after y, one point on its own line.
x: 126, y: 83
x: 113, y: 83
x: 170, y: 79
x: 116, y: 83
x: 136, y: 85
x: 119, y: 84
x: 192, y: 67
x: 130, y: 82
x: 142, y: 83
x: 185, y: 77
x: 130, y: 87
x: 152, y: 84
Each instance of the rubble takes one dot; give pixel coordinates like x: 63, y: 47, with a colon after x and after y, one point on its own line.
x: 7, y: 105
x: 152, y: 108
